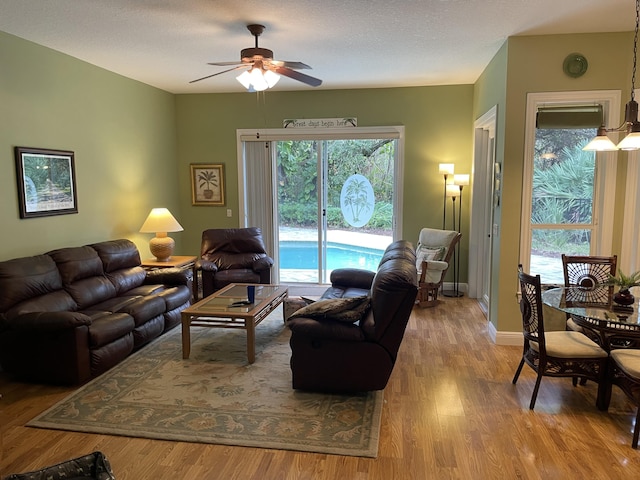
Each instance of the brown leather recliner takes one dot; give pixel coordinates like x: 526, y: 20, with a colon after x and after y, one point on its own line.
x: 334, y: 356
x: 232, y: 255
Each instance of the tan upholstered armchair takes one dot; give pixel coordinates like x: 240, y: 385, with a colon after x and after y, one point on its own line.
x: 433, y: 253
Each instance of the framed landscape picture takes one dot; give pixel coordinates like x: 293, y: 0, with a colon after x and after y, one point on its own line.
x: 46, y: 182
x: 207, y: 184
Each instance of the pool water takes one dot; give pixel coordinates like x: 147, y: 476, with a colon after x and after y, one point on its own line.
x: 304, y: 255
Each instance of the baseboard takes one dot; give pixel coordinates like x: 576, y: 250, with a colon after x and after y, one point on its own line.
x: 504, y: 338
x: 450, y: 286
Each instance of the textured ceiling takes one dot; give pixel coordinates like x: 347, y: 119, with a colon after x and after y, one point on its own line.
x: 348, y: 43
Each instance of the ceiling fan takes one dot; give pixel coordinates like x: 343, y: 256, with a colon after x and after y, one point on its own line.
x: 261, y: 70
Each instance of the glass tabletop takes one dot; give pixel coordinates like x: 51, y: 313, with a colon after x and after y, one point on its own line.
x: 226, y: 300
x: 579, y: 301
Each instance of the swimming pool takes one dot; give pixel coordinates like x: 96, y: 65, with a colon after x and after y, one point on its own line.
x: 301, y: 255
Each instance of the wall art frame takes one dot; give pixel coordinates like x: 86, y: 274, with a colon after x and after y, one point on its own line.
x: 207, y: 184
x: 46, y: 182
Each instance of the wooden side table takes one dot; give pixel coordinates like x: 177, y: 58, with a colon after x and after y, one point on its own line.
x: 183, y: 262
x: 176, y: 261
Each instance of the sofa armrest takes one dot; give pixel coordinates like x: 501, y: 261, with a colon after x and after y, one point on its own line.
x: 41, y: 322
x: 261, y: 264
x: 352, y: 278
x: 169, y: 276
x: 205, y: 265
x: 325, y: 329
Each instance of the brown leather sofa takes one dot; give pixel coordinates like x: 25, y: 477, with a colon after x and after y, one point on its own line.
x: 337, y: 356
x: 232, y: 255
x: 71, y: 314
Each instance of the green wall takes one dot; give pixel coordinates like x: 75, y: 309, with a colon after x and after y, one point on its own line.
x: 123, y: 135
x: 133, y: 141
x: 534, y: 64
x: 438, y: 128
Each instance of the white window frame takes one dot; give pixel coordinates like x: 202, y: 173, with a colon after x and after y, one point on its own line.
x: 606, y: 167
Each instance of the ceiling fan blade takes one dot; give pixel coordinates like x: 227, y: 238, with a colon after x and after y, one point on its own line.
x: 225, y: 64
x: 301, y: 77
x: 218, y: 73
x: 294, y: 65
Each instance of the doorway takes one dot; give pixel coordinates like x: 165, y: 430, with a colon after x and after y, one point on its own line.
x: 483, y: 203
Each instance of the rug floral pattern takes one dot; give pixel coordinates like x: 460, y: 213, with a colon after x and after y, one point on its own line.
x: 215, y: 396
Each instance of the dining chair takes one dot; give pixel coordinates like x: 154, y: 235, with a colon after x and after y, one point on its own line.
x: 590, y: 273
x: 624, y: 371
x: 562, y: 353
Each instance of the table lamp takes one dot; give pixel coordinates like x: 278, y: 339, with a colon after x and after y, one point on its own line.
x: 160, y: 221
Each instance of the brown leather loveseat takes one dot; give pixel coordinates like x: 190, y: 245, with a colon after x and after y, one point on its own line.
x: 341, y: 352
x: 71, y: 314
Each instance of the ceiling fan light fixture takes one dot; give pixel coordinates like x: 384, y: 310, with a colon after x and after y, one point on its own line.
x: 245, y: 79
x: 258, y: 81
x: 271, y: 78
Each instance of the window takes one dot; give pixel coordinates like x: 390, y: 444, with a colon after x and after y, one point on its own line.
x: 565, y: 189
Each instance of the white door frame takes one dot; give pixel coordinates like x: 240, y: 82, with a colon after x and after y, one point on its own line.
x: 481, y: 205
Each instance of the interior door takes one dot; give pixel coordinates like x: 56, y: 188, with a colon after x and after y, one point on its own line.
x: 484, y: 202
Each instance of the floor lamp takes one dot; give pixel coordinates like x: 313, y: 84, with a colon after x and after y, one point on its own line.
x: 445, y: 169
x: 459, y: 180
x: 453, y: 191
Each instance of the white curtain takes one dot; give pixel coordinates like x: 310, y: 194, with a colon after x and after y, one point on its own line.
x: 259, y: 191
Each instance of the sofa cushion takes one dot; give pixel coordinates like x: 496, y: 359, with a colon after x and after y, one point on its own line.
x: 91, y: 291
x: 350, y: 309
x: 27, y: 278
x: 121, y: 263
x: 175, y: 297
x: 59, y: 301
x: 82, y: 275
x: 76, y: 263
x: 126, y: 279
x: 143, y: 309
x: 106, y: 327
x: 117, y: 254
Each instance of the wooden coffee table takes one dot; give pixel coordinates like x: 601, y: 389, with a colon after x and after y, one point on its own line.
x: 216, y: 311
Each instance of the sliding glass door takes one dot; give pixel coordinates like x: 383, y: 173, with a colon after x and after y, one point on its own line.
x: 334, y: 201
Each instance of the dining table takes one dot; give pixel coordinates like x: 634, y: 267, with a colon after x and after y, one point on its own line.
x: 612, y: 325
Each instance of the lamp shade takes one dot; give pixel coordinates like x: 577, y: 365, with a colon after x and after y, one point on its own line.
x: 461, y: 179
x: 160, y: 220
x: 601, y: 143
x: 446, y: 168
x: 630, y: 142
x: 453, y: 191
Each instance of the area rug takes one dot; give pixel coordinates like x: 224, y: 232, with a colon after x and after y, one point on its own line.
x: 215, y: 396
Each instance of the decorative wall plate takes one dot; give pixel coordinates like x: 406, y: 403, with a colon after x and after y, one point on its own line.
x: 575, y: 65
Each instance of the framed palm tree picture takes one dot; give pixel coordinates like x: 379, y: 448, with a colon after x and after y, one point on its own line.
x: 207, y: 184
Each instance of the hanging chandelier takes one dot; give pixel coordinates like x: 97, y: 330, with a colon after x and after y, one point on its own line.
x: 631, y: 125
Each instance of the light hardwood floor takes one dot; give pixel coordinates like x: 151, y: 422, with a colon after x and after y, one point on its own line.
x: 450, y: 412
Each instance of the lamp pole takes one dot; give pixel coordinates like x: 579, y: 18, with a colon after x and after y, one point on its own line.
x: 445, y: 169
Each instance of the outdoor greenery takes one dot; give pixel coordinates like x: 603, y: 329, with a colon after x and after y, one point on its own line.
x: 298, y: 181
x: 49, y: 171
x: 563, y: 184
